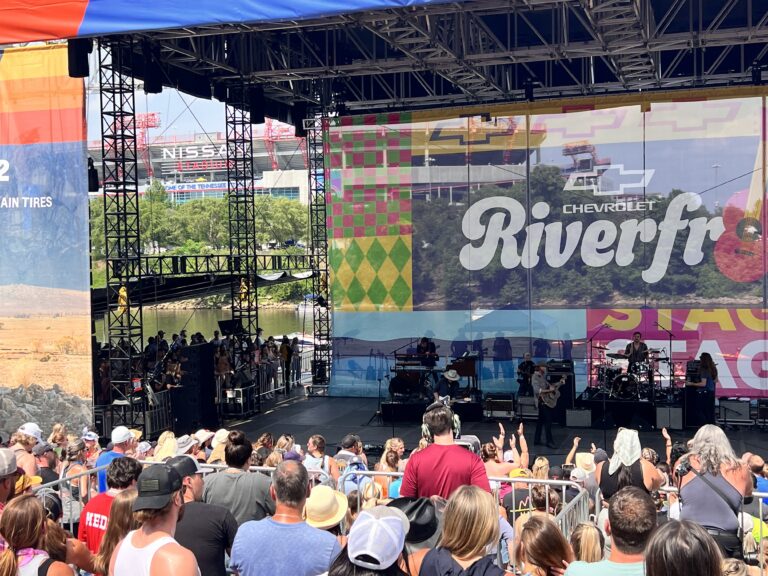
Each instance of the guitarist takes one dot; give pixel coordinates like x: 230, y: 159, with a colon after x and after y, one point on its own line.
x: 544, y: 395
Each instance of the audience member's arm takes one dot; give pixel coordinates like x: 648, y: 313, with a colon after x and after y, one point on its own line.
x: 667, y: 445
x: 230, y: 530
x: 333, y: 468
x: 524, y: 457
x: 572, y: 453
x: 408, y: 488
x: 479, y: 477
x: 79, y: 555
x: 513, y: 449
x: 499, y: 441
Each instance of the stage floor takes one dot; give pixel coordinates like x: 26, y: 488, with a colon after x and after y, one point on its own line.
x: 336, y: 417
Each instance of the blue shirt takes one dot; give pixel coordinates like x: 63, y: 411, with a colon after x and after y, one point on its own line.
x: 762, y: 486
x: 605, y: 568
x: 104, y: 459
x: 269, y: 547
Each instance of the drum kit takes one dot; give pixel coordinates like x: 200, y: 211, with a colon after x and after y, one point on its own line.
x: 619, y: 380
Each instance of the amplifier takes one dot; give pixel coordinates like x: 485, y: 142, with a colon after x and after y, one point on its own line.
x: 498, y: 408
x: 578, y: 418
x: 560, y: 366
x: 669, y: 417
x: 526, y: 408
x: 734, y: 412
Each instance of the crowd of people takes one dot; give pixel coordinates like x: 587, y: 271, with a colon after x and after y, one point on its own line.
x: 215, y: 502
x: 277, y: 363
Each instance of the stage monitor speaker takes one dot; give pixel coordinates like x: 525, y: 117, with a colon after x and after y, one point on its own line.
x: 78, y: 50
x: 578, y: 418
x: 231, y: 327
x: 298, y: 114
x: 735, y: 411
x: 670, y: 417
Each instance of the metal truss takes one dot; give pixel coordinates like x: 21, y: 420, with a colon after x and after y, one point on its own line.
x: 481, y: 51
x: 318, y: 141
x: 242, y: 216
x: 121, y: 228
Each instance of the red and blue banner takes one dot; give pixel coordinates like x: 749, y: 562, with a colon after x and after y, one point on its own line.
x: 30, y: 20
x: 44, y: 267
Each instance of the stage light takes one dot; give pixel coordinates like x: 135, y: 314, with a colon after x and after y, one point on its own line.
x: 78, y: 50
x: 757, y: 74
x: 220, y: 92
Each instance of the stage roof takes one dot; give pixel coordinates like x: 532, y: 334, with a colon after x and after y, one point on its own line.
x: 383, y: 55
x: 30, y: 20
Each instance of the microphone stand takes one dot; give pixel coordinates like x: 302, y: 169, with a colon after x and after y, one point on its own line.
x: 605, y: 408
x: 671, y: 366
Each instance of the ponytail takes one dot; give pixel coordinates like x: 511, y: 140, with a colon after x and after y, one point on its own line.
x: 9, y: 565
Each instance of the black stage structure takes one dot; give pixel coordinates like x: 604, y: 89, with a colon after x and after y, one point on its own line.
x: 444, y: 54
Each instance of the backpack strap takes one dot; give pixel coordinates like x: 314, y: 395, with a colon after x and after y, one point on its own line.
x: 42, y: 570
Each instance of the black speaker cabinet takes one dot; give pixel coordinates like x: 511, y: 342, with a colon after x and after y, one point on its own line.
x: 193, y: 404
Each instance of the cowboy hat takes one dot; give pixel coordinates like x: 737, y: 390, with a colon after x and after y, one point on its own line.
x: 451, y: 375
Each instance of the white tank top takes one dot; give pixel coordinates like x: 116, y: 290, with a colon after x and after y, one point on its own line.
x: 133, y: 561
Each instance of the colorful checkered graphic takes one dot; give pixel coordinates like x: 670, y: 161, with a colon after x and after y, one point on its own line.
x: 370, y: 161
x: 371, y: 274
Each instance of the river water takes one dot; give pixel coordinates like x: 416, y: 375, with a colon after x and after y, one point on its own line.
x: 275, y: 322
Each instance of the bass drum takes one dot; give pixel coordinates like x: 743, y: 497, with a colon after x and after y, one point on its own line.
x: 606, y: 374
x: 624, y: 387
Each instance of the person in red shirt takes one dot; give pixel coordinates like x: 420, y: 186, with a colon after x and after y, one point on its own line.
x: 442, y: 466
x: 122, y: 473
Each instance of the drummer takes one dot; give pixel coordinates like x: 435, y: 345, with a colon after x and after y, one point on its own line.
x: 637, y: 354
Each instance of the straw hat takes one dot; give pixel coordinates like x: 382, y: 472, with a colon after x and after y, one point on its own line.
x: 220, y: 437
x: 25, y: 482
x: 325, y: 507
x: 586, y: 461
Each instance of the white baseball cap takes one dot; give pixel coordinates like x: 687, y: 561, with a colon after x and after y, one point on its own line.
x: 378, y: 533
x: 121, y: 434
x: 32, y: 429
x: 7, y: 462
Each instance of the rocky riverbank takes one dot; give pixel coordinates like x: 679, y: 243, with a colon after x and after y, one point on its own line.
x: 46, y: 407
x: 218, y: 302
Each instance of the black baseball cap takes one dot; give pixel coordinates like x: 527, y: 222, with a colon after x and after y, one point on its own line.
x: 185, y: 465
x: 156, y: 484
x: 349, y: 441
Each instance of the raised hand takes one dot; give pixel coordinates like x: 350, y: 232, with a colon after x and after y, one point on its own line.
x: 576, y: 441
x: 594, y: 448
x: 665, y: 434
x: 512, y: 441
x: 520, y: 429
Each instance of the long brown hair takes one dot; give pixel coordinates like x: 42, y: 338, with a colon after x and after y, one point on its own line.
x: 542, y: 544
x: 21, y: 525
x: 121, y: 521
x: 708, y: 365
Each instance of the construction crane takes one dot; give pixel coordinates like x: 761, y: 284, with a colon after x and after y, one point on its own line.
x: 145, y: 121
x: 274, y: 132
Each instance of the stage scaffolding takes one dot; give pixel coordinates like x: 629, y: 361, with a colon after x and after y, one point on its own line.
x: 318, y: 142
x: 242, y: 216
x: 122, y: 243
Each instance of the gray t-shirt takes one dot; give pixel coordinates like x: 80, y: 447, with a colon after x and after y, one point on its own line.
x: 269, y: 547
x: 605, y: 568
x: 245, y: 494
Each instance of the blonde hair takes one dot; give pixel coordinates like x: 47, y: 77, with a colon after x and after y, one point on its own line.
x: 273, y: 459
x: 21, y: 526
x: 25, y: 440
x: 734, y: 567
x: 587, y: 542
x: 284, y: 443
x: 470, y: 522
x: 121, y: 521
x: 540, y: 468
x: 58, y: 434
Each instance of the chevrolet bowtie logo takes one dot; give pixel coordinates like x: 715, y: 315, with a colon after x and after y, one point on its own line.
x: 613, y: 180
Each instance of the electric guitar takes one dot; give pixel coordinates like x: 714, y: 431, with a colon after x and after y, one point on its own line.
x: 739, y: 250
x: 552, y: 394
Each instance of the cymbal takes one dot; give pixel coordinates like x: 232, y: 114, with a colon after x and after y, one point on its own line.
x: 616, y: 356
x: 654, y: 350
x: 598, y: 347
x: 662, y: 359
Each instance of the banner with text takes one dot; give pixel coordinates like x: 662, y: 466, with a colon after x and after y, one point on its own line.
x: 44, y: 270
x: 449, y: 218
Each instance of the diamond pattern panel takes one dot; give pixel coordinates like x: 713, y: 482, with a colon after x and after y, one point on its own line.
x: 372, y: 274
